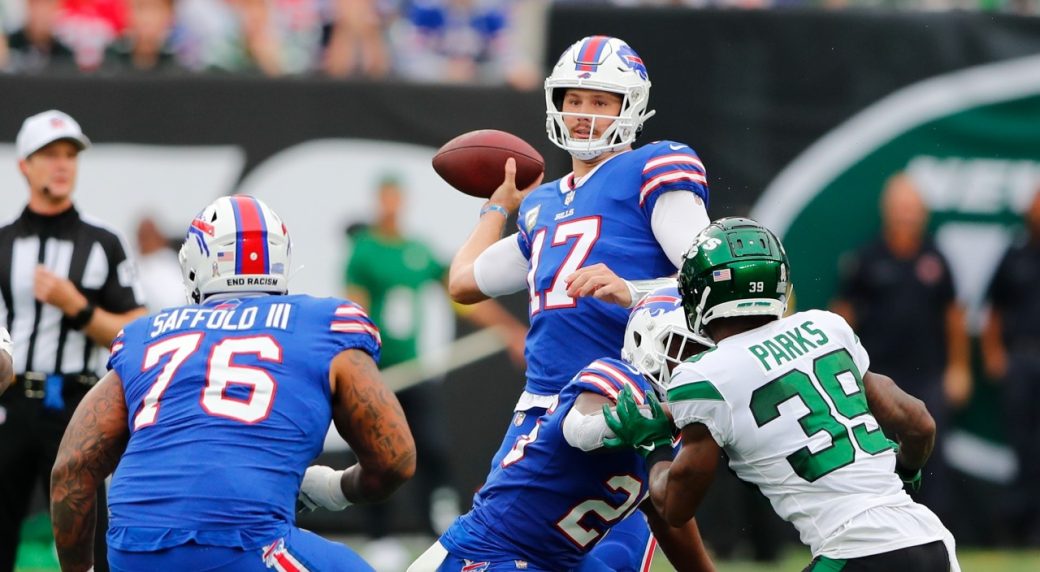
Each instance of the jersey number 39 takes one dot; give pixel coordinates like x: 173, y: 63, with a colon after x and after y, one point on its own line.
x: 220, y: 373
x: 827, y: 369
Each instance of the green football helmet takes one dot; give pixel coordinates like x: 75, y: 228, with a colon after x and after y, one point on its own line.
x: 735, y: 267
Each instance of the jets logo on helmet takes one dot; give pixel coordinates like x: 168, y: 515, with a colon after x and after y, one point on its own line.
x: 599, y: 63
x: 236, y: 244
x: 744, y: 272
x: 657, y: 339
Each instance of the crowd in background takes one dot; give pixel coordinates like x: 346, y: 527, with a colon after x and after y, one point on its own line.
x: 453, y: 41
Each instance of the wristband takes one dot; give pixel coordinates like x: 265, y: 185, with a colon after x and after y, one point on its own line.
x: 491, y: 207
x: 658, y: 455
x: 82, y: 318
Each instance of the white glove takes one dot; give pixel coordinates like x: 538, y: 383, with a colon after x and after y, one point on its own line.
x: 321, y: 488
x: 5, y: 342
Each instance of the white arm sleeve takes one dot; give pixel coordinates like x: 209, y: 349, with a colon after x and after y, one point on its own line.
x: 501, y: 269
x: 677, y: 218
x: 585, y: 432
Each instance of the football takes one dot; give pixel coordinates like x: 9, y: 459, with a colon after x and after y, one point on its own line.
x: 474, y: 162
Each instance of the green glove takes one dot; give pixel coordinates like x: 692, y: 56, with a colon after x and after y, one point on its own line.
x: 633, y: 429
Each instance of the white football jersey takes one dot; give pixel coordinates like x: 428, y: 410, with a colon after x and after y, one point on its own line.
x: 786, y: 402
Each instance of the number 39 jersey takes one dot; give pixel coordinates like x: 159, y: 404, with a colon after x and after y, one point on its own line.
x: 605, y: 218
x: 549, y: 503
x: 227, y: 403
x: 786, y: 402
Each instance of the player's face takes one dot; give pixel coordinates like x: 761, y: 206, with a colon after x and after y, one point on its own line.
x: 53, y: 168
x: 579, y: 104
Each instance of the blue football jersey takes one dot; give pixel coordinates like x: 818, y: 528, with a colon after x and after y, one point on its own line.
x: 549, y: 503
x: 605, y: 219
x: 227, y: 403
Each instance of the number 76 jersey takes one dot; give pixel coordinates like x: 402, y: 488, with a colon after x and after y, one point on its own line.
x: 227, y: 403
x: 786, y: 402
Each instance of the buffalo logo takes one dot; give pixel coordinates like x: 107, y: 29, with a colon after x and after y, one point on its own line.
x: 632, y: 60
x: 585, y: 75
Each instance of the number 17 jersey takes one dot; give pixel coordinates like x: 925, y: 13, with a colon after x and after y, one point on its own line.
x: 604, y: 218
x: 786, y: 402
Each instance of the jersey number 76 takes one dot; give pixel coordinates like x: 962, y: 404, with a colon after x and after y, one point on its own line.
x: 220, y: 373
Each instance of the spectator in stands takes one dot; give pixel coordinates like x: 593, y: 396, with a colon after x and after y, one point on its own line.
x: 1011, y: 354
x: 898, y: 294
x: 34, y: 47
x: 272, y: 37
x: 356, y: 40
x: 89, y: 26
x: 387, y: 274
x: 458, y: 41
x: 146, y: 44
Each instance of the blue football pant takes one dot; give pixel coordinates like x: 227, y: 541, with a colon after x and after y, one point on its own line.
x: 298, y: 551
x: 628, y: 547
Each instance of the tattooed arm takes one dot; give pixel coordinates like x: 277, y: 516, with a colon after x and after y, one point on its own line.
x: 90, y: 450
x: 369, y: 418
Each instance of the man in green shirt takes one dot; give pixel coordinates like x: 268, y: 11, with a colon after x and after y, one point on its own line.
x: 388, y: 273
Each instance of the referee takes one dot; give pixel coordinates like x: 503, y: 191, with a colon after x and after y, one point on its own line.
x: 66, y: 288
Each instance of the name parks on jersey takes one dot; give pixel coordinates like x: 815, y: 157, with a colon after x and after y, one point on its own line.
x: 786, y: 346
x: 226, y: 317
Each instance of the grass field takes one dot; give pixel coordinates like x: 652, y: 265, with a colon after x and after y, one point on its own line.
x: 39, y: 557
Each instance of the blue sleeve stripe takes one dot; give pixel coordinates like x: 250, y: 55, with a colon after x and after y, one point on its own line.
x: 680, y: 179
x: 678, y: 161
x: 356, y: 328
x: 617, y: 378
x: 601, y: 384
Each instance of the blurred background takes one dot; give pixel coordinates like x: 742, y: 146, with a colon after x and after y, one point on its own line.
x: 804, y: 112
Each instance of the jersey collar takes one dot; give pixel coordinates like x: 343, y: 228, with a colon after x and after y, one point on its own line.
x: 571, y: 183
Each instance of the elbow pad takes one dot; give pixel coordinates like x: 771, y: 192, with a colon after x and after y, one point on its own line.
x: 585, y: 432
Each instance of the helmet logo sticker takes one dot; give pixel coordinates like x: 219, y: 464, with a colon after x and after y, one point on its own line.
x: 632, y: 60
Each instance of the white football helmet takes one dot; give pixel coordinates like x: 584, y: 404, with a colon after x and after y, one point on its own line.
x: 657, y: 338
x: 236, y: 244
x: 605, y: 64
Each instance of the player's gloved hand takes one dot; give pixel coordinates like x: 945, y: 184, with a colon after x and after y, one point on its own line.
x: 321, y: 488
x: 633, y: 429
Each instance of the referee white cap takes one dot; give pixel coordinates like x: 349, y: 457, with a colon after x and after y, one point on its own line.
x: 45, y: 128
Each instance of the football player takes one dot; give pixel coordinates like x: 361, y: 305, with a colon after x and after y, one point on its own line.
x: 213, y: 410
x: 593, y: 242
x: 556, y: 494
x: 793, y: 403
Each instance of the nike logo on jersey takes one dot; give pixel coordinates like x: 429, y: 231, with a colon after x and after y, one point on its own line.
x: 676, y: 147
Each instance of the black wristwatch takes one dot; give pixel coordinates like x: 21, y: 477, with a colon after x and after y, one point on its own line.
x: 82, y: 318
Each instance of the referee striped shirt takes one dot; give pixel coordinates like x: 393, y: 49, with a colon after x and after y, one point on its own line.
x: 91, y: 255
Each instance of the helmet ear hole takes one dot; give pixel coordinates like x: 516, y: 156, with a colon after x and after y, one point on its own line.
x: 638, y: 338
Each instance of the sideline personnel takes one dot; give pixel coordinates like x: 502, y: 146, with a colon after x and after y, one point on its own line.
x: 66, y: 288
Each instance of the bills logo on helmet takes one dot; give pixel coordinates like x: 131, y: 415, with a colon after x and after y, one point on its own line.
x: 632, y: 60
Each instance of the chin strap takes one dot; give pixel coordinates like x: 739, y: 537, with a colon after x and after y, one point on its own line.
x: 700, y: 311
